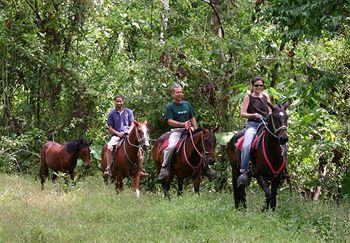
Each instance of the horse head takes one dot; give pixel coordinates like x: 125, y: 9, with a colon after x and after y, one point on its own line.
x: 142, y: 134
x: 209, y: 143
x: 84, y: 152
x: 277, y: 121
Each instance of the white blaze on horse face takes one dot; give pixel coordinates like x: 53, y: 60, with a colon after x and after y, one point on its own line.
x: 281, y: 114
x: 145, y: 133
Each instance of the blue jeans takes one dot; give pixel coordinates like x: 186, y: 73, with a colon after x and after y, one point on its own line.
x: 249, y: 134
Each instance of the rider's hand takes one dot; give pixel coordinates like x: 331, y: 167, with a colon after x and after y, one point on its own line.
x: 187, y: 125
x: 121, y: 134
x: 257, y: 116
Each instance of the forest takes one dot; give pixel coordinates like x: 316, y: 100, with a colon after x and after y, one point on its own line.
x: 62, y: 62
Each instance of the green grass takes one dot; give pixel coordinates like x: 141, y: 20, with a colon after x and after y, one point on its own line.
x: 92, y: 212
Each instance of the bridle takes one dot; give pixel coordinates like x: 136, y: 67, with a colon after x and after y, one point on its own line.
x: 141, y: 143
x: 203, y: 155
x: 275, y: 131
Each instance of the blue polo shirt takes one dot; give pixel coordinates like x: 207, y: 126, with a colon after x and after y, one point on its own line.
x: 120, y: 120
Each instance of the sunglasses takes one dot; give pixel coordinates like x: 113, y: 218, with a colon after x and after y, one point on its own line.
x: 258, y: 85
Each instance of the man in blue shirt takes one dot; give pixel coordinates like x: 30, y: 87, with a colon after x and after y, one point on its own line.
x: 120, y: 122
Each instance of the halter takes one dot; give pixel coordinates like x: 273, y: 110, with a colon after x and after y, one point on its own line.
x: 275, y: 131
x: 194, y: 168
x: 139, y: 140
x: 277, y: 172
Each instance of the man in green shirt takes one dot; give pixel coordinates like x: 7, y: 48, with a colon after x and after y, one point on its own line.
x: 180, y: 115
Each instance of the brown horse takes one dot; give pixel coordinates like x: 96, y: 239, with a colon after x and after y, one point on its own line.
x: 198, y: 148
x: 128, y: 157
x: 63, y: 158
x: 268, y: 157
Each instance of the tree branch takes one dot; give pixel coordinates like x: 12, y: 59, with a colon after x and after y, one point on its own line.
x: 216, y: 14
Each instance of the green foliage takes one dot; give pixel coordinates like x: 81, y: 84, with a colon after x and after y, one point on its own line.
x: 21, y: 154
x: 63, y: 61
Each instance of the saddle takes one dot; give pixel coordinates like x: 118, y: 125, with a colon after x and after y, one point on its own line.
x: 256, y: 141
x: 115, y: 148
x: 182, y: 139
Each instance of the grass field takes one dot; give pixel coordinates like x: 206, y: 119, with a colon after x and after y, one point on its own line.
x: 92, y: 212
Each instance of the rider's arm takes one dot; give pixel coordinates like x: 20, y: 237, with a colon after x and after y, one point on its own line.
x: 194, y: 122
x: 131, y: 127
x: 244, y: 113
x: 268, y: 100
x: 176, y: 124
x: 114, y: 132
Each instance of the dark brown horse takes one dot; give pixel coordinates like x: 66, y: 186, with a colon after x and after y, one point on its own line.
x: 63, y: 158
x: 128, y: 157
x: 268, y: 157
x: 198, y: 148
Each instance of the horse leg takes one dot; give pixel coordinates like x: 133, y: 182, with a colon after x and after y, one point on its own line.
x: 54, y: 176
x: 196, y: 183
x: 44, y: 172
x: 237, y: 192
x: 137, y: 183
x: 268, y: 194
x: 166, y: 186
x: 242, y: 194
x: 180, y: 186
x: 72, y: 174
x: 274, y: 187
x: 119, y: 184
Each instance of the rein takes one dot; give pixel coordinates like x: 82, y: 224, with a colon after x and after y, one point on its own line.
x: 276, y: 131
x: 277, y: 172
x: 194, y: 168
x: 139, y: 146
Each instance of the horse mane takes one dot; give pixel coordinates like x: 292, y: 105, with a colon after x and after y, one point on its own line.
x: 199, y: 129
x: 73, y: 146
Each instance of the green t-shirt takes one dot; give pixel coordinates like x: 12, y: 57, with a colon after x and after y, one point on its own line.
x: 179, y: 112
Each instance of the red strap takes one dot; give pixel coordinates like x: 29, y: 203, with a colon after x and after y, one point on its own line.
x: 275, y: 173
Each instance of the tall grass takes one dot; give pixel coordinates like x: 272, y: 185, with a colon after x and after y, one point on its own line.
x: 92, y: 212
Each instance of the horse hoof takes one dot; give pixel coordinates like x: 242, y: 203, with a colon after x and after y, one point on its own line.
x: 137, y: 193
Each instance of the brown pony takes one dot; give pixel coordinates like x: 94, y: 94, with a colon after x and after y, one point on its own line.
x: 268, y: 157
x: 128, y: 157
x: 63, y: 158
x: 187, y: 161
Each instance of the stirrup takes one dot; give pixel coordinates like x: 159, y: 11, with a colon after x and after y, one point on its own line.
x: 164, y: 173
x: 107, y: 172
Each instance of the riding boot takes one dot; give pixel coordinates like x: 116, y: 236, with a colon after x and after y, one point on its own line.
x: 164, y: 172
x: 211, y: 174
x: 107, y: 171
x: 243, y: 179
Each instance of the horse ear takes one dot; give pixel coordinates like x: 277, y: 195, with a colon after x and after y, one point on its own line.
x: 216, y: 129
x: 286, y: 104
x: 145, y: 122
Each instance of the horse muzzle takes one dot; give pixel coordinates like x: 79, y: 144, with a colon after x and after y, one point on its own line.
x: 282, y: 140
x: 211, y: 160
x: 87, y: 165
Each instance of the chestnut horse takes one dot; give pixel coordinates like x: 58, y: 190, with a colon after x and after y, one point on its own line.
x: 128, y: 157
x: 187, y: 161
x: 268, y: 157
x: 63, y: 158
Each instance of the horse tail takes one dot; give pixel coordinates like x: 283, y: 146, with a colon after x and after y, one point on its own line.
x: 44, y: 169
x: 104, y: 158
